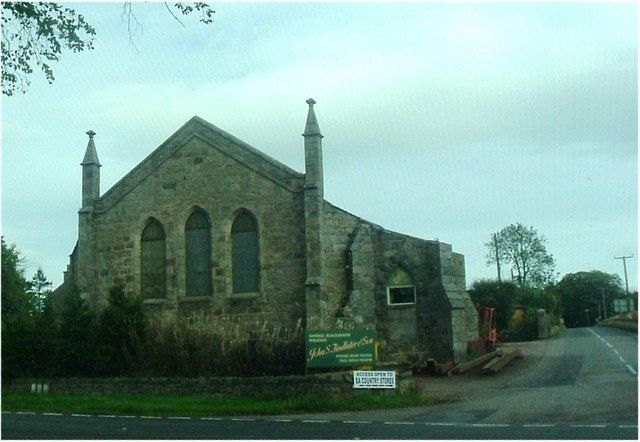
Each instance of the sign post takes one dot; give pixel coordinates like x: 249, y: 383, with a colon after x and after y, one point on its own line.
x: 340, y: 348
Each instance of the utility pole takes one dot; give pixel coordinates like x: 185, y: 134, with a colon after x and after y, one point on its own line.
x: 495, y: 245
x: 604, y: 304
x: 626, y: 282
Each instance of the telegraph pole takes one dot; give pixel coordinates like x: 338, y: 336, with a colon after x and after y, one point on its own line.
x: 495, y: 244
x: 626, y: 282
x: 604, y: 304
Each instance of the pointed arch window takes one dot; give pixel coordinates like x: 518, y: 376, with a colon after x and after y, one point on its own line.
x: 153, y: 272
x: 245, y: 254
x: 198, y: 254
x: 400, y: 289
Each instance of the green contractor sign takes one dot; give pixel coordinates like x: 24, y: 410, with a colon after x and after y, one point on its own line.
x: 337, y: 348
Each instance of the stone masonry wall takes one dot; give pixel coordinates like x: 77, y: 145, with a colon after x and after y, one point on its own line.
x: 199, y: 175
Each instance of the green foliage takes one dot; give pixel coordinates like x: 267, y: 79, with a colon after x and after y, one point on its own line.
x: 40, y: 289
x: 525, y: 249
x: 533, y: 298
x: 16, y: 302
x: 121, y: 331
x: 526, y: 330
x: 500, y: 295
x: 34, y: 34
x: 75, y: 354
x: 583, y: 291
x: 18, y: 316
x: 164, y: 405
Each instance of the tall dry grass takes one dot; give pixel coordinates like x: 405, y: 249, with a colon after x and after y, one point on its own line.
x: 201, y: 346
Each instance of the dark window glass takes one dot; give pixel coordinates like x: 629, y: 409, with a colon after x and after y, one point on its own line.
x: 401, y: 295
x: 198, y: 254
x: 153, y: 274
x: 244, y: 254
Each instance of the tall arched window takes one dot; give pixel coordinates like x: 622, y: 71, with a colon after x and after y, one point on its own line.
x: 400, y: 288
x: 153, y: 273
x: 198, y: 254
x: 244, y: 254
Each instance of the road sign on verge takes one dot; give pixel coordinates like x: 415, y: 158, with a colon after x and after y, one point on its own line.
x: 374, y: 379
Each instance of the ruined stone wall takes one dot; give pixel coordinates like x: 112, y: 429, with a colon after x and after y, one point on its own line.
x: 198, y: 175
x: 337, y: 226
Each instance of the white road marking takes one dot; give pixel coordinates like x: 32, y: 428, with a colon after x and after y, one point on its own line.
x: 631, y: 369
x: 627, y: 426
x: 539, y: 425
x: 150, y: 417
x: 608, y: 345
x: 7, y: 412
x: 182, y: 418
x: 52, y: 414
x: 282, y: 420
x: 106, y: 415
x: 25, y: 412
x: 357, y: 422
x: 400, y: 423
x: 314, y: 421
x: 489, y: 425
x: 210, y: 418
x: 128, y: 417
x: 242, y: 419
x: 81, y: 415
x: 588, y: 426
x: 443, y: 424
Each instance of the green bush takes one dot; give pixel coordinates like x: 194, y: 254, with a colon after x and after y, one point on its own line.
x: 500, y: 295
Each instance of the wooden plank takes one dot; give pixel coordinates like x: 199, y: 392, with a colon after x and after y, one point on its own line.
x: 461, y: 368
x: 497, y: 364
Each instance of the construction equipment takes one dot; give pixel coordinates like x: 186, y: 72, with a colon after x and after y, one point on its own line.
x: 487, y: 326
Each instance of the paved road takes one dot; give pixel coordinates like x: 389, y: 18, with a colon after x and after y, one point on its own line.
x: 580, y: 385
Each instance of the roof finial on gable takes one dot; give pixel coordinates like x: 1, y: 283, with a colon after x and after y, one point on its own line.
x: 311, y: 128
x: 91, y: 155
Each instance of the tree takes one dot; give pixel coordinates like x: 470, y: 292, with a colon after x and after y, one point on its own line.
x: 499, y: 295
x: 15, y: 299
x: 525, y: 249
x: 583, y: 291
x: 39, y: 288
x: 121, y: 333
x: 76, y: 344
x: 35, y: 34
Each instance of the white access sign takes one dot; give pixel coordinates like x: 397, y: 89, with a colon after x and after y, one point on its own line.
x: 374, y: 379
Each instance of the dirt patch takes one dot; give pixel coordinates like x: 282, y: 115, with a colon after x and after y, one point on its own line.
x: 472, y: 383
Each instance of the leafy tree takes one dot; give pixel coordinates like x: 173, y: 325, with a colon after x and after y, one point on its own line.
x: 39, y: 288
x: 583, y: 291
x: 35, y: 34
x: 525, y: 249
x: 500, y: 295
x: 18, y: 322
x: 15, y: 299
x: 76, y: 344
x: 121, y: 333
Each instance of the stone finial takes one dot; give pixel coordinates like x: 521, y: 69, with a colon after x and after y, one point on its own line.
x: 90, y: 155
x: 312, y: 127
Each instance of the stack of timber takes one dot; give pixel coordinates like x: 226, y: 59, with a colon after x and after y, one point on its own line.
x: 495, y: 365
x: 461, y: 368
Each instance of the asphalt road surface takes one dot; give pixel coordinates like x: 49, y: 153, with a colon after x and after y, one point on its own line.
x: 580, y: 385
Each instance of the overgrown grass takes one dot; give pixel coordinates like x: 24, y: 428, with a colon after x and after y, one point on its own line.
x: 156, y: 405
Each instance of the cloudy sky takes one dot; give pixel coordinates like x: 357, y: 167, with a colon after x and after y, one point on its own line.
x: 440, y: 121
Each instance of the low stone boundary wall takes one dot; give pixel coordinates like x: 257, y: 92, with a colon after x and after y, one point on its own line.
x: 333, y: 384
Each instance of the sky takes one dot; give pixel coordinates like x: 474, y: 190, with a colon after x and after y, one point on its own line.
x: 441, y: 121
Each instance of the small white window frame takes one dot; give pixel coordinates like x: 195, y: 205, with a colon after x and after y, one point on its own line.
x: 389, y: 303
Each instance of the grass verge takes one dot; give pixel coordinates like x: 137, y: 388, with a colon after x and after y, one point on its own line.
x: 156, y: 405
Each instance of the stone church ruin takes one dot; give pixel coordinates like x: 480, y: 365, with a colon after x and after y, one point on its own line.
x: 208, y: 224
